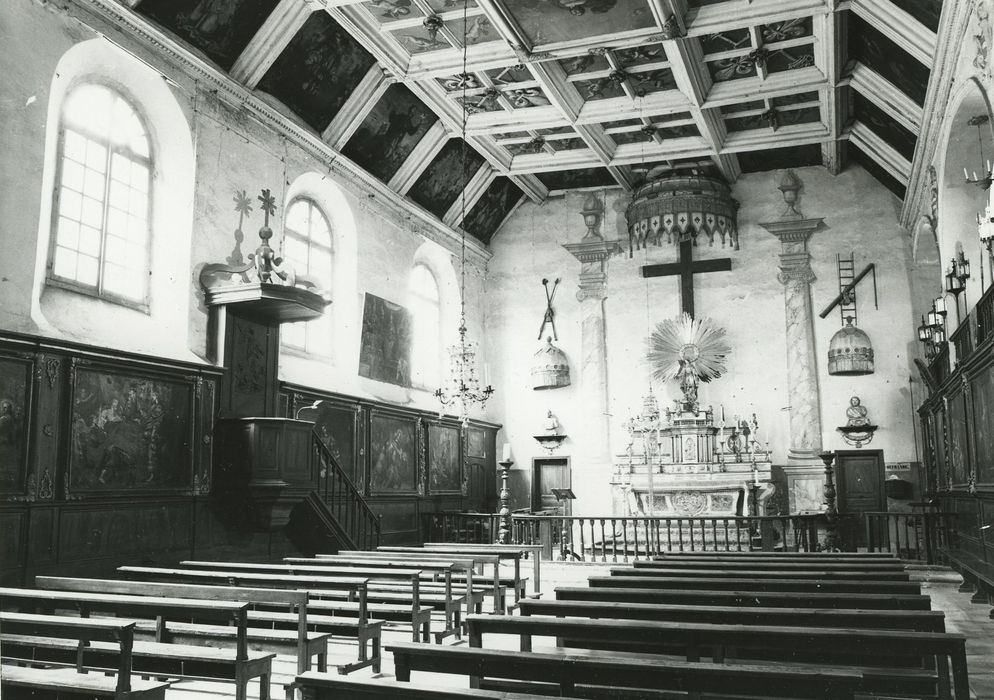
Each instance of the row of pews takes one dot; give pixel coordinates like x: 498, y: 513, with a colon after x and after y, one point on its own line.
x: 149, y: 627
x: 761, y: 625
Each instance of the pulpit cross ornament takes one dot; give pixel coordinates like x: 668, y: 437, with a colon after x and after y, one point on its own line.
x: 550, y: 314
x: 687, y: 267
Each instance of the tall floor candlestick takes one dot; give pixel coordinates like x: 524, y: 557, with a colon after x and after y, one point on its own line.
x: 504, y: 514
x: 831, y: 509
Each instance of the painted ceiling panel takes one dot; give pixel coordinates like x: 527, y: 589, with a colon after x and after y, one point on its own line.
x: 874, y: 168
x: 573, y: 179
x: 390, y: 132
x: 869, y: 46
x: 489, y: 212
x: 317, y: 71
x: 219, y: 28
x: 902, y: 140
x: 778, y: 158
x: 442, y: 181
x: 545, y: 22
x: 925, y: 11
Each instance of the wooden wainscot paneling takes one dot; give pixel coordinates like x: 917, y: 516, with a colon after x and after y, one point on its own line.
x: 982, y: 384
x: 13, y: 524
x: 392, y: 449
x: 51, y: 410
x: 17, y: 391
x: 398, y: 519
x: 130, y: 431
x: 120, y: 533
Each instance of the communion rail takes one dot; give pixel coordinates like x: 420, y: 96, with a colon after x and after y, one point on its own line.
x: 916, y: 536
x: 627, y: 538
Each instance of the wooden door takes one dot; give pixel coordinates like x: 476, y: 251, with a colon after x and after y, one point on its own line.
x: 477, y: 477
x: 549, y: 473
x: 860, y: 483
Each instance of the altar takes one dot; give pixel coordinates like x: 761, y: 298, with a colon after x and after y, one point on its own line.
x: 684, y: 463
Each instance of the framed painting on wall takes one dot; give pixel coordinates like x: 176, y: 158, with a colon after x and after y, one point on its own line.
x: 959, y: 453
x: 130, y: 432
x: 393, y: 464
x: 443, y: 459
x: 476, y: 443
x: 15, y: 409
x: 983, y: 427
x: 385, y: 345
x: 335, y: 426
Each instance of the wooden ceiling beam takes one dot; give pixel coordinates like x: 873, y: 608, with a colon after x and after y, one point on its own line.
x: 423, y: 154
x: 533, y: 188
x: 883, y: 153
x: 711, y: 19
x: 474, y: 189
x: 788, y: 82
x: 885, y: 95
x: 898, y: 26
x: 830, y: 48
x: 268, y: 43
x: 359, y: 104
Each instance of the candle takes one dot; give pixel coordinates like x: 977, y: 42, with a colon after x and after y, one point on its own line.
x: 506, y: 456
x: 966, y: 175
x: 722, y: 413
x: 755, y: 477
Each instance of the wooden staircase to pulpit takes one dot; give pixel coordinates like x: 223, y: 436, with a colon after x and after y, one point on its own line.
x: 272, y: 472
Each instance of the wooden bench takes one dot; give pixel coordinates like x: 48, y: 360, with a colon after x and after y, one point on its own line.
x: 19, y: 631
x: 917, y: 620
x: 647, y: 580
x: 786, y: 556
x: 978, y: 575
x: 717, y: 572
x: 367, y: 632
x: 416, y: 615
x: 616, y: 675
x: 433, y: 566
x: 513, y: 556
x: 303, y: 644
x: 873, y: 651
x: 512, y: 552
x: 870, y: 601
x: 773, y: 565
x: 317, y: 686
x: 158, y: 658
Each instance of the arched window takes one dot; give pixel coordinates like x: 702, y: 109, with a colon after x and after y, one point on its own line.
x: 101, y: 238
x: 426, y: 351
x: 307, y: 248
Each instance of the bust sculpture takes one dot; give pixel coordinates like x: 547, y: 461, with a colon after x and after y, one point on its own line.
x: 856, y: 413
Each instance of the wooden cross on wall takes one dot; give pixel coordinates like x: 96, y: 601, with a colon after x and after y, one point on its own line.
x: 687, y: 267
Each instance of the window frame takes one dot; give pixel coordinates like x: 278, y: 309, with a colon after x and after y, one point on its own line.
x: 302, y: 351
x: 97, y: 291
x: 417, y: 372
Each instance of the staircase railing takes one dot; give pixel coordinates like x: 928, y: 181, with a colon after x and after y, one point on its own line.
x: 344, y: 500
x: 624, y: 538
x: 918, y: 536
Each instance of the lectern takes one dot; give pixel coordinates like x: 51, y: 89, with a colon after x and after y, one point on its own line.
x: 566, y: 497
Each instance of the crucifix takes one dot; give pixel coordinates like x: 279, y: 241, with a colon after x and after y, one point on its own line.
x: 687, y: 267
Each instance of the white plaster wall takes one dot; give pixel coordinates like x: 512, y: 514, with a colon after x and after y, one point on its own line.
x: 232, y: 152
x: 860, y: 215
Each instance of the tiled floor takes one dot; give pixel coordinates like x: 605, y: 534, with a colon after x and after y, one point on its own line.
x: 961, y: 616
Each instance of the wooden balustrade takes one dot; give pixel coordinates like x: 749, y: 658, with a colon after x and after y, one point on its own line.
x: 629, y: 538
x: 962, y: 339
x: 345, y: 501
x: 915, y: 536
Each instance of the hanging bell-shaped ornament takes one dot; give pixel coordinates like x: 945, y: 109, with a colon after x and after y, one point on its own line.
x: 550, y: 367
x: 850, y: 352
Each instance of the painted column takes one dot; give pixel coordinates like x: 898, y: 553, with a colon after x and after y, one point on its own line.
x: 592, y: 466
x: 796, y: 275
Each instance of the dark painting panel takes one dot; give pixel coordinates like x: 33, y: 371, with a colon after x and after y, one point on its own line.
x: 219, y: 28
x: 959, y: 454
x: 875, y: 169
x: 870, y: 46
x: 492, y: 208
x: 941, y: 456
x: 573, y: 179
x: 392, y: 456
x: 335, y: 427
x: 443, y: 459
x: 15, y: 385
x: 899, y: 138
x: 983, y: 424
x: 442, y: 181
x: 925, y: 11
x: 317, y: 71
x: 390, y: 132
x: 129, y: 433
x: 385, y: 346
x: 777, y: 158
x: 476, y: 445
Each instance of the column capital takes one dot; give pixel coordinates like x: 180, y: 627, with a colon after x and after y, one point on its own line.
x: 593, y: 252
x: 793, y: 230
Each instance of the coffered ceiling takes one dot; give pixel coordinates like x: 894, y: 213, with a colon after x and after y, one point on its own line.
x: 562, y: 94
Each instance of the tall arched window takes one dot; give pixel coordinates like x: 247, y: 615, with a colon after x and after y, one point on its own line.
x: 307, y: 247
x: 101, y: 240
x: 426, y: 352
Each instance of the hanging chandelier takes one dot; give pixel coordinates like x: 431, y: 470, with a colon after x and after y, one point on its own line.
x: 462, y: 390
